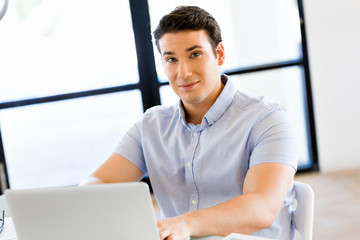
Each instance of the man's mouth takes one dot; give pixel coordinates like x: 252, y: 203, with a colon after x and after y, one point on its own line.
x: 188, y: 86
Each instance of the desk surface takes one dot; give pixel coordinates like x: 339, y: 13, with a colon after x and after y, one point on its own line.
x: 9, y: 233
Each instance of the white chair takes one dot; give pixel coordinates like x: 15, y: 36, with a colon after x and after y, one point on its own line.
x: 3, y: 206
x: 303, y: 215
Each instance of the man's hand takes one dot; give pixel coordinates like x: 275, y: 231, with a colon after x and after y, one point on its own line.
x: 175, y: 228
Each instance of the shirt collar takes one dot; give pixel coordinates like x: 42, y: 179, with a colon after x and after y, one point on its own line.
x: 222, y: 102
x: 218, y: 108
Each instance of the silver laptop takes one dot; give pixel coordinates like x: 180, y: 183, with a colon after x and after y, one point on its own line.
x: 109, y: 211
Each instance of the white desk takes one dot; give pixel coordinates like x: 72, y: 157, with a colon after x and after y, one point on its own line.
x: 233, y: 236
x: 9, y: 234
x: 9, y: 231
x: 207, y: 238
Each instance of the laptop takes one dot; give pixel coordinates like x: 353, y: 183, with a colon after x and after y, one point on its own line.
x: 121, y: 211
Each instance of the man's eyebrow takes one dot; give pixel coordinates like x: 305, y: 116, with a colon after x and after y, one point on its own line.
x: 168, y: 53
x: 192, y: 48
x: 186, y: 50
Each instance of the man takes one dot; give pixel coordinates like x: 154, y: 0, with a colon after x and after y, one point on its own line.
x: 219, y: 161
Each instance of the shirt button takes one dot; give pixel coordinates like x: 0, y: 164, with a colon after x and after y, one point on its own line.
x: 188, y: 164
x: 193, y: 202
x: 195, y: 134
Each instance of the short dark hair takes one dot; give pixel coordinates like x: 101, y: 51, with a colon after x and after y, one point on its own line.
x: 184, y: 18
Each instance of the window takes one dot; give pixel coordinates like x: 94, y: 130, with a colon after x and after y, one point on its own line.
x: 58, y: 143
x: 63, y: 76
x: 76, y: 74
x: 47, y: 49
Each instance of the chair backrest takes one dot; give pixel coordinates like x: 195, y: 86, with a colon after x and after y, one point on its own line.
x: 303, y: 215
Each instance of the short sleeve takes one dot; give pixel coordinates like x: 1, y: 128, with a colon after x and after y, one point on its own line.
x: 273, y: 140
x: 130, y: 147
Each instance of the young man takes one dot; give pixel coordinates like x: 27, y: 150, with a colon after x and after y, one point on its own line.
x: 219, y: 161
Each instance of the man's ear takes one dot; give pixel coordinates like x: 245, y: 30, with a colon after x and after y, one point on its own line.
x: 220, y: 53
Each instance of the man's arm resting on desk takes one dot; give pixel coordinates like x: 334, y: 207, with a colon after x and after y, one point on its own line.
x: 265, y: 188
x: 115, y: 169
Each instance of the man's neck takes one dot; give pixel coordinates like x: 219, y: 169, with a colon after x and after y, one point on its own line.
x: 194, y: 113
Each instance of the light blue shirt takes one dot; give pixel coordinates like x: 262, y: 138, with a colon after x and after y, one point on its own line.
x: 198, y: 166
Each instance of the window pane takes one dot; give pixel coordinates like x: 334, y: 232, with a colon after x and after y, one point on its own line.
x: 58, y: 143
x: 286, y: 87
x: 167, y: 96
x: 254, y: 32
x: 53, y: 47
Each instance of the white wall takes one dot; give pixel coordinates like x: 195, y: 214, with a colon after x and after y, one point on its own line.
x: 333, y: 34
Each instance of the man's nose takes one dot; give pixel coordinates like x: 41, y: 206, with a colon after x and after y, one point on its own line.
x: 184, y: 70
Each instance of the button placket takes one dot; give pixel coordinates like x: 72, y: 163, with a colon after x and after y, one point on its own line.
x: 189, y: 171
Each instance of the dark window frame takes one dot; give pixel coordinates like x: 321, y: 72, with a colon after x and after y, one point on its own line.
x: 149, y: 84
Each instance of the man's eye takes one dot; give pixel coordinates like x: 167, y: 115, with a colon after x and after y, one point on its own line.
x: 196, y: 54
x: 171, y: 60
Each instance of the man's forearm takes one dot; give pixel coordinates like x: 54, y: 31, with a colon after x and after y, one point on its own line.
x: 245, y: 214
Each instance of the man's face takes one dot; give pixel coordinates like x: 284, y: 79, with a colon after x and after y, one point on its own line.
x: 191, y: 66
